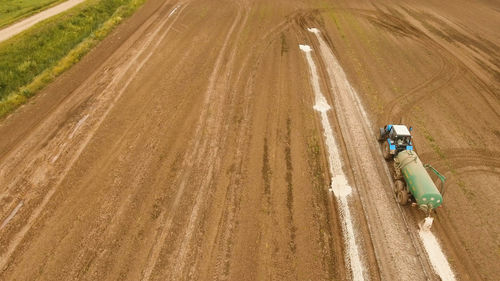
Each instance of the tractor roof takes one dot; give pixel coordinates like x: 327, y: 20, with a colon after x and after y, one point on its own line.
x: 401, y: 130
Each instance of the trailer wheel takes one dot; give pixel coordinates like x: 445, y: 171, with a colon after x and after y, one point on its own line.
x: 403, y: 197
x: 399, y: 186
x: 386, y: 151
x: 397, y: 173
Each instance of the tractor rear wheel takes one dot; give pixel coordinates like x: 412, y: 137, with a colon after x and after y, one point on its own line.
x: 397, y: 172
x: 399, y: 185
x: 386, y: 151
x: 403, y: 197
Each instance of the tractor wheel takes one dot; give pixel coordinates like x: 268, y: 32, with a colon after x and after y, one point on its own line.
x: 386, y: 151
x: 399, y: 185
x: 381, y: 135
x: 403, y: 197
x: 397, y: 173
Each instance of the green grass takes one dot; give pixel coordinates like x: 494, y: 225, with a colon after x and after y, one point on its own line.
x: 34, y: 58
x: 13, y: 10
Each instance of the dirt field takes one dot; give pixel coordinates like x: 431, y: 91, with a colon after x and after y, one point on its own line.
x: 186, y: 145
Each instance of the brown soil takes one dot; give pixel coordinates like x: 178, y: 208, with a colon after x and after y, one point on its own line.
x: 185, y: 146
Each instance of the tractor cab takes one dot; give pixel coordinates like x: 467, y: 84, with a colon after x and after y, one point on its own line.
x: 396, y: 138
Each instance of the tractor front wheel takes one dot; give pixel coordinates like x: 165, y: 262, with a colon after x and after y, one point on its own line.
x: 381, y: 135
x: 386, y: 151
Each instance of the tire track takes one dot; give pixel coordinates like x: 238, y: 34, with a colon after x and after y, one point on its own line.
x: 399, y: 107
x: 205, y: 152
x: 336, y: 264
x: 447, y: 71
x: 226, y: 88
x: 222, y: 249
x: 289, y: 182
x: 140, y: 173
x: 488, y: 94
x: 105, y: 102
x: 339, y: 184
x: 461, y: 158
x: 60, y: 137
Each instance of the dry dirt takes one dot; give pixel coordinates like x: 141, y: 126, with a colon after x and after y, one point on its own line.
x: 186, y: 146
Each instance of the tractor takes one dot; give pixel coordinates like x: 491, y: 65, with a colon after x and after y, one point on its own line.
x: 412, y: 183
x: 395, y: 138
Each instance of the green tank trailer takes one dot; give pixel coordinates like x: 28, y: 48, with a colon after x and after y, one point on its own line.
x: 418, y: 182
x: 411, y: 180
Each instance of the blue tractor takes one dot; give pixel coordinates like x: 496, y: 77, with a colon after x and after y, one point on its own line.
x: 395, y: 138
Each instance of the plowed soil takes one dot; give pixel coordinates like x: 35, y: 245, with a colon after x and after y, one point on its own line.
x: 186, y: 146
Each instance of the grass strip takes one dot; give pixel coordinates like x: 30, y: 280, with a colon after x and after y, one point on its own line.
x: 31, y: 60
x: 13, y: 10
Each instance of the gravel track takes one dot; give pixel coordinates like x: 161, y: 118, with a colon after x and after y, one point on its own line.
x: 22, y: 25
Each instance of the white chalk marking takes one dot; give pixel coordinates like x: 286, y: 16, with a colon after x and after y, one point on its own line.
x: 78, y: 125
x: 54, y: 159
x: 341, y: 77
x: 305, y: 48
x: 435, y: 253
x: 339, y: 184
x: 173, y: 11
x: 426, y: 224
x: 12, y: 214
x: 313, y: 30
x: 63, y: 146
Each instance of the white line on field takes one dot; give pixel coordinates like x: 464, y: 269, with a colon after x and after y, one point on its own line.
x: 343, y: 77
x: 78, y: 125
x: 63, y: 146
x: 61, y: 149
x: 339, y: 184
x: 435, y: 253
x: 173, y: 11
x: 12, y: 214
